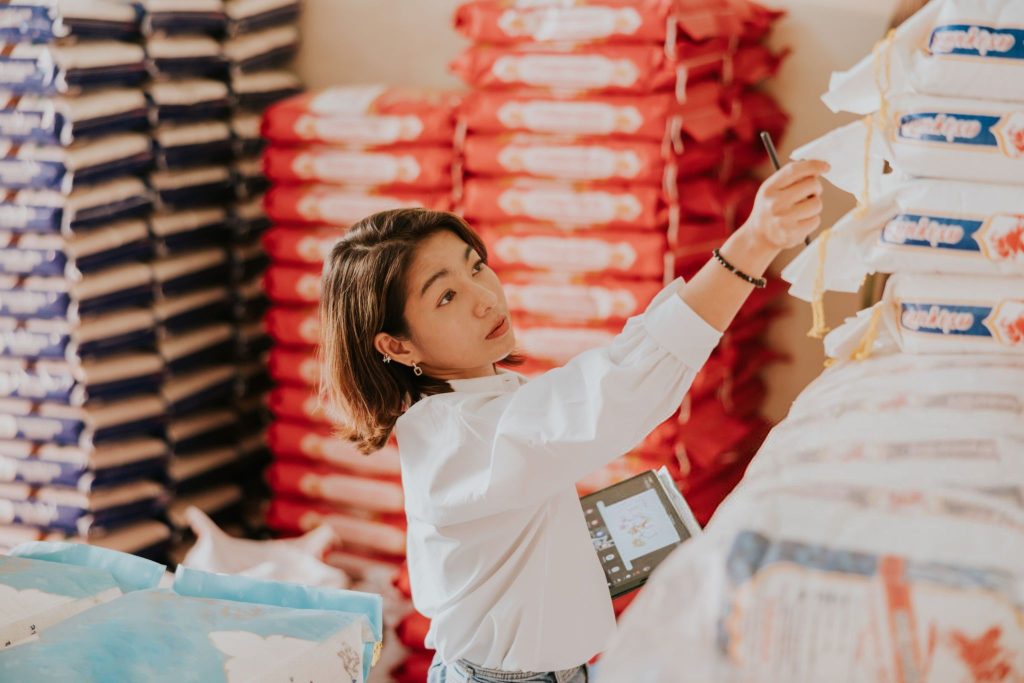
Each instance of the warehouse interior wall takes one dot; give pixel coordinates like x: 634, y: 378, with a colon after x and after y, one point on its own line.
x: 410, y: 42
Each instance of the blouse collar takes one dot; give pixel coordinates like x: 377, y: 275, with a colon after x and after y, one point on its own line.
x: 503, y: 382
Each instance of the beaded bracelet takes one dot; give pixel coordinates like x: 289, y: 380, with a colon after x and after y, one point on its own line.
x: 758, y: 282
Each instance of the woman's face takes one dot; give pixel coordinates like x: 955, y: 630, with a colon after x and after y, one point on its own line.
x: 455, y: 308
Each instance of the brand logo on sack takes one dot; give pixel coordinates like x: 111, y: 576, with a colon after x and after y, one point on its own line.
x: 1002, y: 238
x: 1007, y: 323
x: 981, y: 41
x: 951, y: 128
x: 945, y: 319
x: 936, y: 232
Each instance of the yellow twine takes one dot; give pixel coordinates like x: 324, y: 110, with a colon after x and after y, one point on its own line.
x: 867, y: 342
x: 882, y: 63
x: 819, y: 328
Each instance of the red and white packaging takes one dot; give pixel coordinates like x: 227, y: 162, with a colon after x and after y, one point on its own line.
x: 316, y: 482
x: 566, y: 158
x: 294, y: 326
x: 412, y: 631
x: 375, y: 532
x: 528, y: 21
x: 570, y: 298
x: 292, y: 285
x: 757, y: 111
x: 300, y: 245
x: 406, y: 168
x: 604, y: 69
x: 318, y: 443
x: 556, y: 342
x: 343, y: 206
x: 365, y: 117
x: 648, y: 117
x: 298, y: 403
x: 621, y: 253
x: 300, y: 366
x: 636, y: 207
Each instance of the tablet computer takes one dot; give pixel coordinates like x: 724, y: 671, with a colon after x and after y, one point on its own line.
x: 636, y: 524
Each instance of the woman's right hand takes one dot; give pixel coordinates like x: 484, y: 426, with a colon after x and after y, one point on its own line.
x: 788, y: 206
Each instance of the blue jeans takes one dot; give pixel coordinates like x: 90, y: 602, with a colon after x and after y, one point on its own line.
x: 464, y: 672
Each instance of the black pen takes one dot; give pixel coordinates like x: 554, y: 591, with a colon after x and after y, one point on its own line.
x: 769, y: 146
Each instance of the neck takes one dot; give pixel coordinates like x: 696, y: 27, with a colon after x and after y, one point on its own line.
x: 462, y: 373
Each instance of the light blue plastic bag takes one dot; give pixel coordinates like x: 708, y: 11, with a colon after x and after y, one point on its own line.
x: 130, y: 572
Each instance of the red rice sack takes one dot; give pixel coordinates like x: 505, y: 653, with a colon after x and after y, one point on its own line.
x: 343, y: 206
x: 318, y: 443
x: 292, y: 285
x: 364, y: 116
x: 535, y: 201
x: 374, y: 532
x: 406, y: 168
x: 294, y: 326
x: 300, y: 245
x: 529, y: 21
x: 303, y: 480
x: 566, y: 158
x: 300, y: 367
x: 541, y: 247
x: 569, y: 298
x: 607, y: 69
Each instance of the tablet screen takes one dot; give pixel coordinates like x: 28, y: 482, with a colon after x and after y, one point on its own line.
x: 634, y: 527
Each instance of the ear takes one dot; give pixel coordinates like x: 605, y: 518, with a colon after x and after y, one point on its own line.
x: 400, y: 351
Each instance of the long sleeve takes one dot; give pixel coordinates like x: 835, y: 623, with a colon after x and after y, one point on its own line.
x: 470, y: 456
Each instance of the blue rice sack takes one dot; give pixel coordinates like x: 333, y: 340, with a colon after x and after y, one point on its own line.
x: 83, y: 469
x: 187, y: 229
x: 190, y: 271
x: 82, y: 426
x: 62, y: 169
x: 187, y: 56
x: 189, y: 101
x: 176, y: 17
x: 70, y: 68
x: 194, y: 309
x: 193, y: 391
x: 38, y: 297
x: 247, y: 16
x: 203, y: 430
x: 85, y: 208
x: 74, y: 256
x: 192, y: 144
x: 93, y: 336
x: 191, y: 350
x: 77, y: 512
x: 192, y: 187
x: 75, y: 383
x: 44, y: 21
x: 62, y: 119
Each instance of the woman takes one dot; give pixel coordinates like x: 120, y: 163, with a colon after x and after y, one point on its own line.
x: 500, y: 558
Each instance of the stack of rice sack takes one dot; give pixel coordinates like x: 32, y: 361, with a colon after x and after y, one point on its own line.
x: 189, y: 108
x: 608, y: 148
x: 333, y: 158
x: 947, y: 222
x: 260, y: 38
x: 80, y: 447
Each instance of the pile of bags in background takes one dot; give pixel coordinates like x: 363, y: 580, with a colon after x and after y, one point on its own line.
x: 335, y: 157
x: 884, y: 516
x: 608, y: 148
x: 80, y: 375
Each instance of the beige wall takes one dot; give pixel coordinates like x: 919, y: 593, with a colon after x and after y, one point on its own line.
x: 410, y: 42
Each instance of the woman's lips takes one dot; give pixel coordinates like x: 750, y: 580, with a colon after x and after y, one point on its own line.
x: 500, y: 329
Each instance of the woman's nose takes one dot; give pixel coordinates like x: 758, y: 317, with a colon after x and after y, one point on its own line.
x: 485, y: 300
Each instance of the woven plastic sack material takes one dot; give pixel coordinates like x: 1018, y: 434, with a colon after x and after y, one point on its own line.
x: 185, y: 56
x: 525, y: 200
x: 650, y: 117
x: 938, y: 314
x: 58, y: 69
x: 182, y: 17
x: 300, y: 441
x: 343, y: 206
x: 925, y: 226
x: 563, y: 298
x: 621, y: 253
x: 266, y: 49
x: 954, y: 48
x: 491, y: 21
x: 303, y: 480
x: 63, y: 169
x: 62, y: 120
x: 246, y: 16
x: 297, y: 560
x: 254, y: 92
x: 926, y: 137
x: 364, y: 116
x: 189, y: 100
x: 82, y: 469
x: 411, y: 168
x: 610, y: 69
x: 307, y: 246
x: 84, y: 209
x: 239, y: 635
x: 294, y: 326
x: 566, y: 158
x: 377, y: 533
x: 847, y: 548
x: 43, y: 21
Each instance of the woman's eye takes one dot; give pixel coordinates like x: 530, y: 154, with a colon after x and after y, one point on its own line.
x: 446, y: 298
x: 478, y: 266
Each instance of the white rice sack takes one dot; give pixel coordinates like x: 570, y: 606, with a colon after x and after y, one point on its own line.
x: 937, y: 314
x: 927, y: 137
x: 957, y: 48
x: 925, y: 226
x: 880, y: 545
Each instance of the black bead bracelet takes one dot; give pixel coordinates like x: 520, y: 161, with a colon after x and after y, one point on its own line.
x: 758, y: 282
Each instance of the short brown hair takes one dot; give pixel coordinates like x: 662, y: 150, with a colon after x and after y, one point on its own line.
x: 364, y: 294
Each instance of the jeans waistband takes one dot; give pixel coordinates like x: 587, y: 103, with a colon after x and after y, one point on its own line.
x: 473, y: 670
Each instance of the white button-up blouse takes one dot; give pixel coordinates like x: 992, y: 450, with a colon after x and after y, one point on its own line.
x: 500, y: 558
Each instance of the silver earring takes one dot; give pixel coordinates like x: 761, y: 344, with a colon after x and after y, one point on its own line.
x: 416, y: 370
x: 387, y: 358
